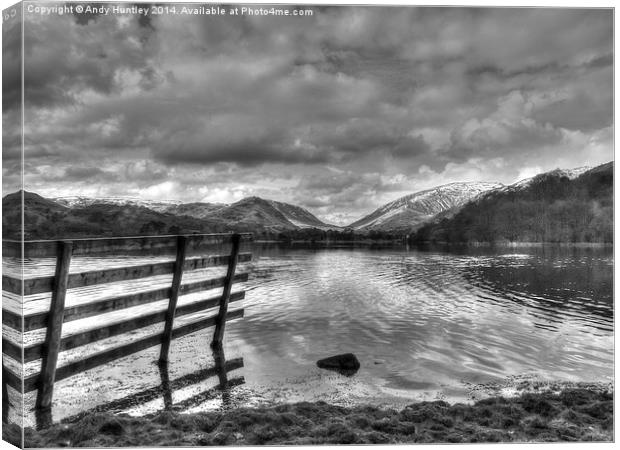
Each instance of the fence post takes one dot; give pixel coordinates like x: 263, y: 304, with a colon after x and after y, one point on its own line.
x: 174, y: 296
x: 165, y: 384
x: 54, y: 327
x: 220, y: 321
x: 220, y: 365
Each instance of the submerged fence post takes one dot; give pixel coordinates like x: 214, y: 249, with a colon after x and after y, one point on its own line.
x: 54, y: 327
x: 220, y: 321
x: 174, y: 297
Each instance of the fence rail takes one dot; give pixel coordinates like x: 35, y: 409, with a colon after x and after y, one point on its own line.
x: 52, y: 319
x: 134, y: 245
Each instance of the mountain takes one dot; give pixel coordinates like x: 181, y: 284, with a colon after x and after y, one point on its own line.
x: 120, y: 216
x: 252, y: 212
x: 409, y: 212
x: 557, y: 206
x: 48, y: 219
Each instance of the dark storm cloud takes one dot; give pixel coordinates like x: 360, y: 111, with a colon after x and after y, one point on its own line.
x: 87, y: 173
x: 11, y: 63
x: 585, y: 102
x: 253, y: 143
x: 11, y: 135
x: 547, y: 68
x: 357, y: 137
x: 244, y: 149
x: 343, y: 110
x: 64, y: 60
x: 593, y: 113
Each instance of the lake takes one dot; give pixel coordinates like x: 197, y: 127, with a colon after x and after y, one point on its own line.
x: 425, y: 324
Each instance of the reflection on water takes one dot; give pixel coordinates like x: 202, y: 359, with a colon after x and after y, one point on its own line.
x: 428, y: 323
x: 555, y: 292
x: 424, y: 324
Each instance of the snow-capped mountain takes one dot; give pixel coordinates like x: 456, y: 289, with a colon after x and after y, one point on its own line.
x: 414, y: 209
x: 250, y: 211
x: 83, y: 202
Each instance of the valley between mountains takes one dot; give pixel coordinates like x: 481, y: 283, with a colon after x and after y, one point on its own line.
x: 564, y: 206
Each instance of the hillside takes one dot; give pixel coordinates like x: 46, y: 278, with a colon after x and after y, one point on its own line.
x: 254, y: 212
x: 197, y: 210
x: 46, y: 219
x: 571, y: 174
x: 409, y: 212
x: 300, y: 217
x: 84, y: 217
x: 38, y: 212
x: 550, y: 207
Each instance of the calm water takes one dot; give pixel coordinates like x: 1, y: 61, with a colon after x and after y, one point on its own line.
x: 424, y: 325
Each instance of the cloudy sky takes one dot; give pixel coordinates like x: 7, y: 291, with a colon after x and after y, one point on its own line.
x: 339, y: 112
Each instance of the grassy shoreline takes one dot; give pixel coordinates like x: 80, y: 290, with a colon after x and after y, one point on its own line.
x: 574, y: 414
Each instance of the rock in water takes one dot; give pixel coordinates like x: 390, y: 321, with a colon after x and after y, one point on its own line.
x: 346, y: 364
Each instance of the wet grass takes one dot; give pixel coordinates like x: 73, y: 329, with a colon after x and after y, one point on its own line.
x: 570, y: 415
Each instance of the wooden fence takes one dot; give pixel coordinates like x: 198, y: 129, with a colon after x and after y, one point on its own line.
x: 191, y: 255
